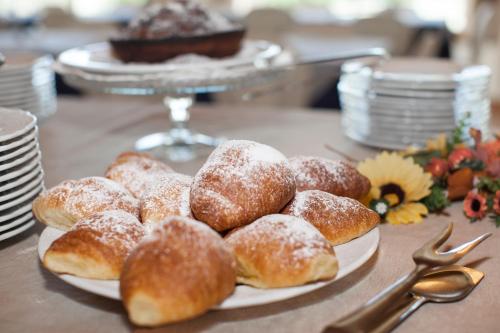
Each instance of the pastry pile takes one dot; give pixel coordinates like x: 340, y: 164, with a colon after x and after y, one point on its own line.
x: 179, y: 244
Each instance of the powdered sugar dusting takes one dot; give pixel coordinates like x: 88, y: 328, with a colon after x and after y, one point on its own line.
x: 313, y: 199
x: 116, y: 228
x: 168, y: 197
x: 197, y: 249
x: 87, y: 196
x: 292, y: 237
x: 176, y: 18
x: 241, y: 180
x: 339, y: 219
x: 335, y: 177
x: 137, y: 171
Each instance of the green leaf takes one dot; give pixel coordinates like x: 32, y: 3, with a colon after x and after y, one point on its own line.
x: 488, y: 184
x: 437, y: 200
x: 459, y: 133
x: 496, y: 220
x: 423, y: 158
x: 476, y: 165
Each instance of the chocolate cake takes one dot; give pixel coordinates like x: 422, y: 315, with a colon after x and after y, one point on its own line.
x: 166, y: 29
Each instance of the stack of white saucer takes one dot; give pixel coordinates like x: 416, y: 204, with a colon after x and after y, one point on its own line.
x: 393, y: 103
x: 27, y: 81
x: 21, y: 174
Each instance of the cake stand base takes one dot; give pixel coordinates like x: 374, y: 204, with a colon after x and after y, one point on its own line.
x: 179, y: 144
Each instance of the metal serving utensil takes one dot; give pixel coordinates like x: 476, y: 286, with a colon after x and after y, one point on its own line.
x: 336, y: 59
x: 425, y: 258
x: 447, y: 284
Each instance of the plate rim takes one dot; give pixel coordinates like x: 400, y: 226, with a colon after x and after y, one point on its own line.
x: 16, y: 231
x: 22, y: 131
x: 19, y: 220
x: 25, y: 168
x: 26, y: 187
x: 82, y: 283
x: 66, y: 58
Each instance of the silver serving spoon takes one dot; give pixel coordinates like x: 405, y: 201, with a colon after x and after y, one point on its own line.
x: 447, y: 284
x: 427, y: 258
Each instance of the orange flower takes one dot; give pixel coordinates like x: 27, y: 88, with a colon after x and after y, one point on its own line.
x: 475, y: 206
x: 496, y: 203
x: 489, y: 153
x: 459, y: 155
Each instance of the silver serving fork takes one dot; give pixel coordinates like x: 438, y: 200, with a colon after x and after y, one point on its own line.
x: 427, y: 257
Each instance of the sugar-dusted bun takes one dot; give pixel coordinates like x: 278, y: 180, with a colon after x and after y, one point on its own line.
x: 95, y: 247
x: 63, y: 205
x: 168, y: 197
x: 339, y: 219
x: 178, y: 272
x: 240, y: 182
x: 335, y: 177
x: 281, y: 251
x: 136, y: 171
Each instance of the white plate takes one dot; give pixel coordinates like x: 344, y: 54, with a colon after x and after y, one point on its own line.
x: 21, y: 140
x: 23, y: 178
x: 351, y: 256
x: 98, y: 58
x: 415, y: 108
x: 20, y: 160
x: 19, y: 151
x: 16, y: 231
x: 15, y: 192
x: 25, y: 121
x: 15, y: 222
x: 30, y: 165
x: 17, y: 211
x: 26, y: 196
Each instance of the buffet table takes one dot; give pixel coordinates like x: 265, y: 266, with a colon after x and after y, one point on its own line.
x: 86, y: 134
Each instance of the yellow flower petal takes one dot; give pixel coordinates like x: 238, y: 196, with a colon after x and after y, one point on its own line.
x: 392, y: 168
x: 407, y: 213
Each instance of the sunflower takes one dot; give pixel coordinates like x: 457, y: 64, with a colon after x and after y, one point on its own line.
x: 400, y: 182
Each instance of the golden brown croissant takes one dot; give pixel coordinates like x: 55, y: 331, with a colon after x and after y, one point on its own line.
x: 136, y: 171
x: 168, y: 197
x: 72, y: 200
x: 281, y: 251
x: 178, y: 272
x: 335, y: 177
x: 96, y: 247
x: 240, y: 182
x: 339, y: 219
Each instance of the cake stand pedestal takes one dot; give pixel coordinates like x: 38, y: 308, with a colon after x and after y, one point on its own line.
x: 179, y: 139
x: 92, y: 67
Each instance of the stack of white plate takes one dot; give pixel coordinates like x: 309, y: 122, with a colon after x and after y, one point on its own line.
x: 21, y: 174
x: 393, y: 103
x: 27, y: 81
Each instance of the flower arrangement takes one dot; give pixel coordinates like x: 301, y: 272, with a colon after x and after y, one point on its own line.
x: 408, y: 185
x: 397, y: 186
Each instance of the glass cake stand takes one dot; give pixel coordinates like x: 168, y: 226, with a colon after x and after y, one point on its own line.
x: 92, y: 67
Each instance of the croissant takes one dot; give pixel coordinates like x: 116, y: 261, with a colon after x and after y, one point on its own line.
x: 136, y: 171
x: 64, y: 204
x: 95, y: 247
x: 335, y: 177
x: 340, y: 219
x: 178, y: 272
x: 281, y: 251
x: 240, y: 182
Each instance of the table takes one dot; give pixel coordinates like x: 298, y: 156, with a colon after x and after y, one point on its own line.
x: 84, y: 137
